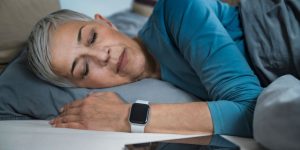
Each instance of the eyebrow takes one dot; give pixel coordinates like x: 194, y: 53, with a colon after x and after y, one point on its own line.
x: 79, y: 34
x: 73, y: 65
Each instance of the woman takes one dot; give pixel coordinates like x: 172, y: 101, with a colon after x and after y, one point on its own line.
x: 196, y: 45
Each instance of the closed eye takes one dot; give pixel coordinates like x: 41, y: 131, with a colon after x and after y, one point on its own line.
x: 85, y: 70
x: 92, y: 37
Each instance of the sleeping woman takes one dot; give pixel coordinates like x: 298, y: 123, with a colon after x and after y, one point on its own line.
x: 197, y: 45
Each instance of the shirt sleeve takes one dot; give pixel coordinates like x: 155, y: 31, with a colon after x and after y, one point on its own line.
x: 197, y: 28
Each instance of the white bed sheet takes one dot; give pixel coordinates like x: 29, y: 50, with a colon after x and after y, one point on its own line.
x: 39, y: 135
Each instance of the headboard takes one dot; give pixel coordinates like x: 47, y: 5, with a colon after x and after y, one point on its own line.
x: 17, y: 18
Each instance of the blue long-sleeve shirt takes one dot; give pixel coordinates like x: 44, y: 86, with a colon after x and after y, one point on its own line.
x: 199, y: 46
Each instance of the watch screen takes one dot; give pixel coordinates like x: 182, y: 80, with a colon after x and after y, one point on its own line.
x: 139, y: 113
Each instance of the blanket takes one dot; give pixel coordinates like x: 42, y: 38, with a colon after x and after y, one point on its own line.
x: 272, y: 33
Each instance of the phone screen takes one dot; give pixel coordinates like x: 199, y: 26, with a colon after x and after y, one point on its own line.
x: 211, y: 142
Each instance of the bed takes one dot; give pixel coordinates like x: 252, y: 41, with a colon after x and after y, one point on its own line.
x: 27, y: 103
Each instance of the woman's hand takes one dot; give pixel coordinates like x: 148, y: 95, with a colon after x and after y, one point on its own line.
x: 103, y: 111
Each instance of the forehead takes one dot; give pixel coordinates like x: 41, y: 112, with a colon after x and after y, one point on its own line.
x: 65, y: 31
x: 62, y: 42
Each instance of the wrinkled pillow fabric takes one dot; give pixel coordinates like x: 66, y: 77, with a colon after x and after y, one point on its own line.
x: 128, y: 22
x: 276, y: 117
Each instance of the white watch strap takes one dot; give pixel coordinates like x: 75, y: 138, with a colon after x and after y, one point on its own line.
x: 138, y: 128
x: 141, y: 101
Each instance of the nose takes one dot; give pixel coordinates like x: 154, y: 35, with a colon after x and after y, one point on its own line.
x: 101, y: 56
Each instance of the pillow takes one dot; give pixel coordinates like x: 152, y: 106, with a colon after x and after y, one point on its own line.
x: 128, y: 22
x: 24, y: 96
x: 276, y: 117
x: 143, y: 7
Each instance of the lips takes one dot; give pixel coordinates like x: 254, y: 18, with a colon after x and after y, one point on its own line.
x: 122, y: 61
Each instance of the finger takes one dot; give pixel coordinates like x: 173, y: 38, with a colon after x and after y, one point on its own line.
x: 96, y: 94
x: 51, y: 122
x: 67, y: 119
x: 73, y: 104
x: 73, y: 125
x: 71, y: 111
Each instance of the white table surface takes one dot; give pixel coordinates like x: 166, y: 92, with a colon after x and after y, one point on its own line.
x: 39, y: 135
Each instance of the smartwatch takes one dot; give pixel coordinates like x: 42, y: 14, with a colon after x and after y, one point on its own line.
x: 138, y: 116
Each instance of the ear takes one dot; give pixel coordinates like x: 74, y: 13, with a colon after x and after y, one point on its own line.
x: 100, y: 18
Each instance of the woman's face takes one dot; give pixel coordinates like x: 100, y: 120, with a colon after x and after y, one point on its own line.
x: 95, y: 55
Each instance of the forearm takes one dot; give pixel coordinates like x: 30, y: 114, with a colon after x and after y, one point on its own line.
x: 188, y: 118
x: 104, y: 111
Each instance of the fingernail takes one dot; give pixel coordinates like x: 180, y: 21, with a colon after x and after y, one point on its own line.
x: 51, y: 121
x: 61, y: 109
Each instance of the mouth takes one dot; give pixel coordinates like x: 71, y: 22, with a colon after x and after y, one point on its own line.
x: 122, y: 61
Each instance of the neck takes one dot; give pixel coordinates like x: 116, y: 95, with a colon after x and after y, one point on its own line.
x: 152, y: 67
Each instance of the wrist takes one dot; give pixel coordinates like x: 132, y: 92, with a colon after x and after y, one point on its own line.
x: 138, y: 116
x: 125, y: 116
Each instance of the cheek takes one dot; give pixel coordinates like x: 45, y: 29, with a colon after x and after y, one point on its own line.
x: 104, y: 80
x: 102, y: 75
x: 99, y: 74
x: 97, y: 79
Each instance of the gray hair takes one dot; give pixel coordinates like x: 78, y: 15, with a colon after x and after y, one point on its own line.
x: 39, y: 55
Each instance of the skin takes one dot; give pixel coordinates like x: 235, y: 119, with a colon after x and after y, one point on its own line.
x: 106, y: 111
x: 97, y: 47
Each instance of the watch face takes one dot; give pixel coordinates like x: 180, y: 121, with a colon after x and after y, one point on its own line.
x: 139, y: 113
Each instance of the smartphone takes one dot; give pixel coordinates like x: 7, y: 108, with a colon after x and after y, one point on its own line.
x: 211, y: 142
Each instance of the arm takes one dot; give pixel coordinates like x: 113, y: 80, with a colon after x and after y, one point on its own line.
x: 221, y: 67
x: 189, y: 118
x: 106, y: 111
x: 198, y: 29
